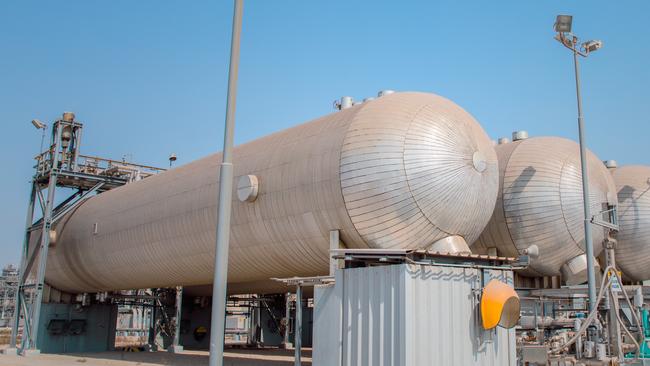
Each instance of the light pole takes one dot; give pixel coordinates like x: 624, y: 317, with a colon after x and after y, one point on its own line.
x: 570, y: 41
x: 218, y: 321
x: 40, y: 126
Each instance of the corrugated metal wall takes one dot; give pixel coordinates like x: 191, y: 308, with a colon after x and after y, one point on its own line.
x: 98, y: 334
x: 407, y: 315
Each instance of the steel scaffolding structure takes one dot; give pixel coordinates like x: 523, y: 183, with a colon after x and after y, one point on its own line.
x: 8, y: 287
x: 60, y: 166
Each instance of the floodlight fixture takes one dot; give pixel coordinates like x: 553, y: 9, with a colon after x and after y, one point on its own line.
x: 591, y: 46
x: 38, y: 124
x: 562, y: 27
x: 563, y: 23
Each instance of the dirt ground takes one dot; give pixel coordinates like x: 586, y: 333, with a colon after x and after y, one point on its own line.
x: 233, y: 357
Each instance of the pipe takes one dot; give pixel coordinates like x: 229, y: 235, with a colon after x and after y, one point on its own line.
x: 592, y: 314
x: 617, y: 309
x: 577, y: 326
x: 605, y: 285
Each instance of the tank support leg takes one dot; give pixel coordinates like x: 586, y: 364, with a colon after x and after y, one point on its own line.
x: 176, y: 344
x: 335, y: 243
x: 298, y: 331
x: 287, y: 321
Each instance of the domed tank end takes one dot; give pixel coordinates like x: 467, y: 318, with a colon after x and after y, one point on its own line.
x: 454, y: 244
x: 574, y: 271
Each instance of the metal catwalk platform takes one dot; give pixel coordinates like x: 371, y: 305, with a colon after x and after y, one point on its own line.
x: 59, y: 169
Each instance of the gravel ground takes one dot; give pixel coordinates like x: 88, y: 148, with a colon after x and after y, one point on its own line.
x: 234, y: 357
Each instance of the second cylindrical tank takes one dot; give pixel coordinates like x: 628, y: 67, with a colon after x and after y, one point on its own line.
x: 540, y: 203
x: 633, y: 238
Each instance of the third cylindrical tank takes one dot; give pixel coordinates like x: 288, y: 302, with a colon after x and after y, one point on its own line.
x: 633, y: 239
x: 540, y: 203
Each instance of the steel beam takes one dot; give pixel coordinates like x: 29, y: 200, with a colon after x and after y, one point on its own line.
x: 39, y: 223
x: 335, y: 243
x: 23, y: 261
x: 24, y: 343
x: 615, y: 339
x: 152, y: 328
x: 35, y: 309
x: 41, y: 200
x: 176, y: 344
x: 287, y: 317
x: 64, y: 210
x: 28, y: 266
x: 298, y: 331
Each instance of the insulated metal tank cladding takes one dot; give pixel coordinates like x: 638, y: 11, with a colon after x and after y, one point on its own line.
x: 633, y: 247
x: 403, y: 171
x: 540, y: 203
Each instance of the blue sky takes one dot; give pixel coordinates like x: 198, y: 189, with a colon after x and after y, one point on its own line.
x: 149, y: 77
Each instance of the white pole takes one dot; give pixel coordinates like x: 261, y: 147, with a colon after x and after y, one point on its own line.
x: 218, y: 321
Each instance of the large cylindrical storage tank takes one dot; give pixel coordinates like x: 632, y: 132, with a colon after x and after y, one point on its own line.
x: 406, y: 170
x: 633, y: 247
x: 540, y: 203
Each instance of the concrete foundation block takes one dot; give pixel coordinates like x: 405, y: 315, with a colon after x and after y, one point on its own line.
x: 31, y: 352
x: 175, y: 349
x: 9, y: 352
